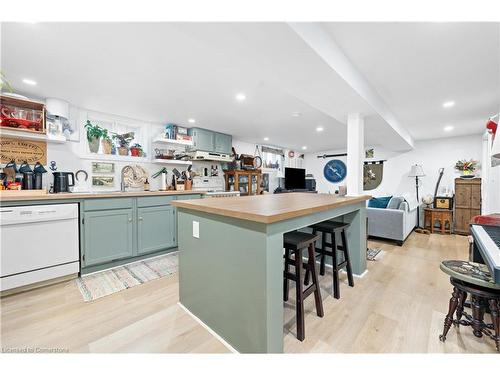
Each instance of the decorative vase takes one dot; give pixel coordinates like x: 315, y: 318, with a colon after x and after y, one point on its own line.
x: 135, y: 151
x: 94, y: 145
x: 106, y: 146
x: 123, y: 151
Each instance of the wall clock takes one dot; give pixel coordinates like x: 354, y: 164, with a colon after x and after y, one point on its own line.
x: 335, y: 170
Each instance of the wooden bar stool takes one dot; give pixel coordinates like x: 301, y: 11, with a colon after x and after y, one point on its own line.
x: 334, y: 229
x: 472, y: 279
x: 295, y: 243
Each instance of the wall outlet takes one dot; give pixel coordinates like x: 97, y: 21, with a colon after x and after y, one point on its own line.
x: 196, y: 229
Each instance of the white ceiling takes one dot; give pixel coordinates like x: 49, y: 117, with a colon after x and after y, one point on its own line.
x: 169, y: 72
x: 416, y: 67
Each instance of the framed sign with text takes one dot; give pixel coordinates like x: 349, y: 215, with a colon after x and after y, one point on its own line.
x: 22, y: 150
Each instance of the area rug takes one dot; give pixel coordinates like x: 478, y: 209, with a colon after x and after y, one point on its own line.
x: 372, y: 254
x: 104, y: 283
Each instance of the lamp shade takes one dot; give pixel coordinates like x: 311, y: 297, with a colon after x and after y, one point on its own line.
x: 416, y: 171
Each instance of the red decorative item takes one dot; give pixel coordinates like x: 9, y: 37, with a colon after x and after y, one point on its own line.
x: 492, y: 125
x: 134, y: 151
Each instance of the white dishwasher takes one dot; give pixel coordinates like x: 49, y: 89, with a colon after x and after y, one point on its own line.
x: 38, y: 243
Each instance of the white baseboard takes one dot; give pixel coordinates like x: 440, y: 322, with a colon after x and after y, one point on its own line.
x: 210, y: 330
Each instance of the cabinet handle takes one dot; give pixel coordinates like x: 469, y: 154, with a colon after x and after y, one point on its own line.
x: 129, y: 219
x: 140, y: 218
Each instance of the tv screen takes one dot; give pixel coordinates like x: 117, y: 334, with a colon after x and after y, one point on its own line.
x: 295, y: 178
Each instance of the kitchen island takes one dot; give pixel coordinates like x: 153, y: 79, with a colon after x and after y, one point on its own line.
x: 231, y: 259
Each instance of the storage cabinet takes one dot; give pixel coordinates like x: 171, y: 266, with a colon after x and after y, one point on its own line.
x: 207, y: 140
x: 467, y: 203
x: 156, y: 229
x: 117, y: 229
x: 223, y: 143
x: 108, y: 235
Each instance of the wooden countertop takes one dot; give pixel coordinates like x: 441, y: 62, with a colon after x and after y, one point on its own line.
x: 270, y: 208
x: 114, y: 194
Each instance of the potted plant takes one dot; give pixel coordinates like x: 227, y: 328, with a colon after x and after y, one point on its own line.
x: 136, y: 150
x: 107, y: 143
x: 94, y: 134
x: 467, y: 167
x: 123, y: 142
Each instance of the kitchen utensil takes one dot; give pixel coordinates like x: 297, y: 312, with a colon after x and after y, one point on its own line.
x: 25, y: 167
x: 176, y: 173
x: 61, y: 181
x: 39, y: 168
x: 12, y: 164
x: 28, y: 180
x: 37, y: 180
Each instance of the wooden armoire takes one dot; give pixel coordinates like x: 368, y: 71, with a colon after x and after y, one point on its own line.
x: 467, y: 203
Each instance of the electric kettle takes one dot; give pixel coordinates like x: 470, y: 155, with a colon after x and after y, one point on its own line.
x: 61, y: 181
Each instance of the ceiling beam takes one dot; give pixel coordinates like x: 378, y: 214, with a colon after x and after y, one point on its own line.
x: 327, y: 48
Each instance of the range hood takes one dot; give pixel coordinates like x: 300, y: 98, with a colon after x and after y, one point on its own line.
x: 210, y: 156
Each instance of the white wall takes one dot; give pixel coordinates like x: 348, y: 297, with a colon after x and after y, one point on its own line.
x: 68, y: 155
x: 431, y: 154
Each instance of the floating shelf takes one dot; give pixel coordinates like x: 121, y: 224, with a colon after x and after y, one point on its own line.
x: 112, y: 157
x: 34, y: 136
x: 172, y: 141
x: 171, y: 161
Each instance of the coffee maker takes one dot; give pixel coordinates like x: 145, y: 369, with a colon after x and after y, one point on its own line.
x: 62, y: 183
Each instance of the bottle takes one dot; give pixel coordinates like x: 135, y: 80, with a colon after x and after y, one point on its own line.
x: 146, y: 185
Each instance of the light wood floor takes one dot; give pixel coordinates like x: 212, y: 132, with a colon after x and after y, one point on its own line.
x: 399, y: 306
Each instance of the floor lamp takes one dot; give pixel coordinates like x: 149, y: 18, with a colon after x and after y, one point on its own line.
x: 417, y: 171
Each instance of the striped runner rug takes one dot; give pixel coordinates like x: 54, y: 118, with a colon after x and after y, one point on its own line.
x: 104, y: 283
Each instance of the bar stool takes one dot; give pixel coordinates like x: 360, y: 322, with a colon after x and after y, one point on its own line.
x: 296, y: 242
x: 473, y: 279
x: 334, y: 229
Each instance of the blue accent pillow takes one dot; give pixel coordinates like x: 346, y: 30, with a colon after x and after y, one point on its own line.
x: 381, y: 202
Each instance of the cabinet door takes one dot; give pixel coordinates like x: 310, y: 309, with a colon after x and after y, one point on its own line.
x: 108, y: 235
x: 463, y: 196
x: 476, y: 197
x: 203, y: 140
x: 223, y: 143
x: 156, y: 228
x: 462, y: 218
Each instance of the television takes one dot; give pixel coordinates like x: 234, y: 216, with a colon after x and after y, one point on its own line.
x: 295, y: 178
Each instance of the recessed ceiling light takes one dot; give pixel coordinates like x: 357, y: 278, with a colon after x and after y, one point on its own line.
x: 448, y: 104
x: 296, y: 114
x: 320, y: 129
x: 304, y: 147
x: 240, y: 97
x: 266, y: 138
x: 29, y: 82
x: 448, y: 128
x: 191, y: 120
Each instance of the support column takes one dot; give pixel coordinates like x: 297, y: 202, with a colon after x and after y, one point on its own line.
x: 355, y: 153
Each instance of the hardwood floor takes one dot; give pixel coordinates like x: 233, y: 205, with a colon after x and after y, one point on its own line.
x: 399, y: 306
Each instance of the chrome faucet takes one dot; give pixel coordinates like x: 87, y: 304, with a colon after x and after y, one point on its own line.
x: 122, y: 177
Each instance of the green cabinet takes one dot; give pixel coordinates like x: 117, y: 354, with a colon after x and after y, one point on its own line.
x: 203, y: 139
x: 207, y: 140
x: 119, y: 230
x: 108, y: 235
x: 156, y: 229
x: 223, y: 143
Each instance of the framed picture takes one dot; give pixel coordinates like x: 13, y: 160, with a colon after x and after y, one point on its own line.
x: 101, y: 167
x: 103, y: 181
x: 369, y: 153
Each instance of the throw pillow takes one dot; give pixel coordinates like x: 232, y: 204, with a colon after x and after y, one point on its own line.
x: 380, y: 202
x: 395, y: 202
